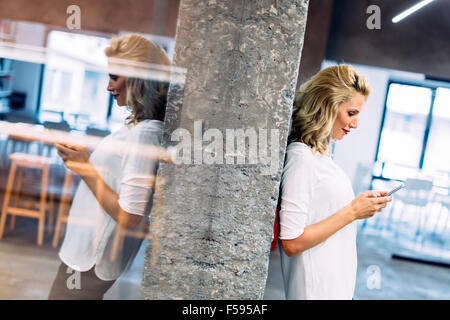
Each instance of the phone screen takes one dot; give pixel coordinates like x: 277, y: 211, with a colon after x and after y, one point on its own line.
x: 395, y: 190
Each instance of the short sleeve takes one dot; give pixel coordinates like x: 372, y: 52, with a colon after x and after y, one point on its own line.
x: 139, y: 170
x: 297, y: 186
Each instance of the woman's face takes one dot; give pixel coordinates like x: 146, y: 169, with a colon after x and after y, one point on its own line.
x: 117, y: 86
x: 347, y: 117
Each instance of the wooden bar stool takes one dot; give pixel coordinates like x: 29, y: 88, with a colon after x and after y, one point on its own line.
x: 51, y: 197
x: 22, y: 160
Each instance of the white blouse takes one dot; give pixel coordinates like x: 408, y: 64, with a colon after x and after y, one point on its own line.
x: 127, y: 170
x: 313, y: 188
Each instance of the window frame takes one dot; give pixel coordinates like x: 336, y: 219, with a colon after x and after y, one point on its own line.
x: 43, y: 68
x: 428, y: 83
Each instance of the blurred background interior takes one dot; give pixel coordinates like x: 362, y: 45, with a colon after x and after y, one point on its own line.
x: 53, y: 83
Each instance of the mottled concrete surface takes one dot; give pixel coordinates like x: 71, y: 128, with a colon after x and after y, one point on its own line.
x: 212, y: 225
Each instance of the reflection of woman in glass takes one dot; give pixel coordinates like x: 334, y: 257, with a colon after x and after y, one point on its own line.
x: 118, y: 182
x: 318, y: 208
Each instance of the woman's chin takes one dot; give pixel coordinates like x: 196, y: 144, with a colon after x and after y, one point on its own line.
x: 338, y: 137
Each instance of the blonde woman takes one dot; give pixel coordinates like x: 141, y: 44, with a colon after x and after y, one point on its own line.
x: 118, y: 183
x: 318, y: 208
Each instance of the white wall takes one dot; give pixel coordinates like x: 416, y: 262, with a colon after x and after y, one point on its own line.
x: 30, y: 33
x: 359, y: 146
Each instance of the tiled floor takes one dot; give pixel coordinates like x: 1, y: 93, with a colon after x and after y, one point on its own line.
x: 399, y: 279
x: 27, y: 271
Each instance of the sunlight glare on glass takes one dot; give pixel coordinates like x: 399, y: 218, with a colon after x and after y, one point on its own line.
x: 87, y: 48
x: 409, y: 99
x: 442, y: 103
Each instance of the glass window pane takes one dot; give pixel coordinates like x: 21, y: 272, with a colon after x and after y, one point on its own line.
x: 437, y: 156
x: 69, y: 88
x: 407, y: 108
x: 398, y: 172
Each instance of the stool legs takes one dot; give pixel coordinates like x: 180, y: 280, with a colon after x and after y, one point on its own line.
x: 51, y: 197
x: 9, y: 186
x: 21, y: 161
x: 43, y: 205
x: 12, y: 221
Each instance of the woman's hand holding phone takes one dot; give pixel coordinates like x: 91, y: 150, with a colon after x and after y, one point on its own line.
x: 369, y: 202
x: 75, y: 157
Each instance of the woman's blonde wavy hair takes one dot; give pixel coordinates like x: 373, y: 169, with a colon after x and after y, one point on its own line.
x: 146, y: 98
x: 316, y: 105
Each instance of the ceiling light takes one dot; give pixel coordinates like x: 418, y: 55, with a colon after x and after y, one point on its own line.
x: 411, y: 10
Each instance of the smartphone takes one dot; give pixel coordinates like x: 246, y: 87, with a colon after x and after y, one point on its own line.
x: 395, y: 190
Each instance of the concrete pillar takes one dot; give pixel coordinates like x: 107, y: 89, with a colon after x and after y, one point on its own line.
x: 213, y: 214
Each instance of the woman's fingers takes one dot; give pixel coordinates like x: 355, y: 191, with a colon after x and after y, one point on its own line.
x: 385, y: 199
x: 375, y: 193
x: 60, y: 148
x: 380, y: 200
x: 65, y: 149
x: 381, y: 206
x: 371, y: 193
x: 64, y: 152
x: 68, y: 147
x: 383, y: 193
x: 62, y: 155
x: 377, y: 204
x: 369, y: 202
x: 75, y: 147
